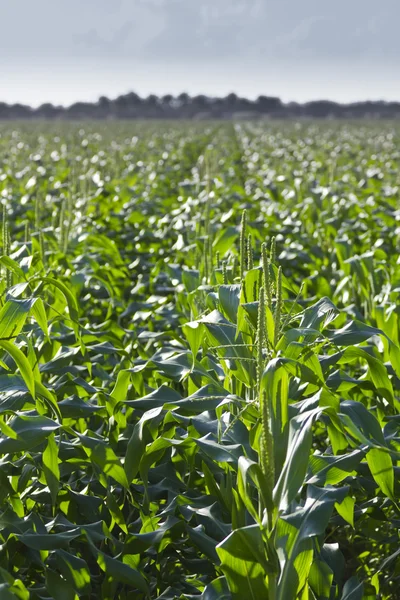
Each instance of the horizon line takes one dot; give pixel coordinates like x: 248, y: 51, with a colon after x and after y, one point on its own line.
x: 250, y: 98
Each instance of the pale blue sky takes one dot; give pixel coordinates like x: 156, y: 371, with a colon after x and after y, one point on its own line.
x: 62, y: 51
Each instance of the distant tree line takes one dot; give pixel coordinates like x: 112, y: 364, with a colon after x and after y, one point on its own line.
x: 132, y: 106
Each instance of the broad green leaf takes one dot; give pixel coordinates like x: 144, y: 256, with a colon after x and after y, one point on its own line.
x: 243, y: 563
x: 327, y: 469
x: 51, y: 468
x: 140, y: 542
x: 251, y: 471
x: 295, y: 466
x: 229, y: 298
x: 275, y: 384
x: 69, y: 297
x: 191, y: 279
x: 22, y: 363
x: 319, y: 314
x: 13, y: 316
x: 194, y: 333
x: 59, y: 587
x: 116, y: 512
x: 346, y: 510
x: 216, y: 590
x: 75, y: 570
x: 295, y: 532
x: 120, y: 572
x: 136, y: 444
x: 11, y: 587
x: 232, y: 350
x: 377, y: 371
x: 225, y: 240
x: 320, y: 579
x: 381, y: 467
x: 51, y: 541
x: 353, y: 590
x: 106, y: 459
x: 30, y: 432
x: 13, y: 266
x: 120, y: 389
x: 39, y: 312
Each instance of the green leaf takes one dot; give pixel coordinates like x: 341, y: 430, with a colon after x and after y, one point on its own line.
x: 243, y: 563
x: 41, y: 390
x: 346, y: 509
x: 328, y: 469
x: 13, y: 316
x: 22, y: 363
x: 11, y: 587
x: 237, y: 359
x: 69, y: 297
x: 377, y: 371
x: 229, y: 298
x: 353, y: 590
x: 75, y: 570
x: 120, y: 389
x: 190, y: 279
x: 120, y: 572
x: 364, y: 420
x: 205, y: 543
x: 216, y: 590
x: 51, y: 468
x: 319, y: 314
x: 106, y: 459
x: 58, y: 587
x: 296, y: 462
x: 136, y: 445
x: 116, y: 512
x: 381, y: 467
x: 39, y: 312
x: 320, y: 579
x: 13, y: 266
x: 51, y: 541
x: 251, y: 471
x: 294, y: 533
x: 225, y: 240
x: 30, y: 432
x: 194, y: 333
x: 140, y: 542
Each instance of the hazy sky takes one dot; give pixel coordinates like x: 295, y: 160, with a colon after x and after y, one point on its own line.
x: 67, y: 50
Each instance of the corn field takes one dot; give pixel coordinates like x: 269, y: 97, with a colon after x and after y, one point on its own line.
x: 200, y: 363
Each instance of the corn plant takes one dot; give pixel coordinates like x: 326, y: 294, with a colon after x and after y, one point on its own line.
x: 200, y: 364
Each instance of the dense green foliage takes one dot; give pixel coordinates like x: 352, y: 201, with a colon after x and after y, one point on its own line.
x: 200, y: 372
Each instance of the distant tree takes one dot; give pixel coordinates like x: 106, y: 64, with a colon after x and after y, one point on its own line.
x: 104, y: 108
x: 244, y: 104
x: 132, y: 106
x: 201, y: 101
x: 322, y: 109
x: 167, y: 99
x: 47, y: 111
x: 133, y: 99
x: 268, y: 104
x: 231, y: 100
x: 80, y: 110
x: 20, y: 111
x: 121, y: 101
x: 104, y: 102
x: 152, y: 100
x: 184, y: 99
x: 166, y: 106
x: 4, y: 110
x: 127, y: 106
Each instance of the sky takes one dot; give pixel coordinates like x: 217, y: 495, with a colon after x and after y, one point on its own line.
x: 62, y: 51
